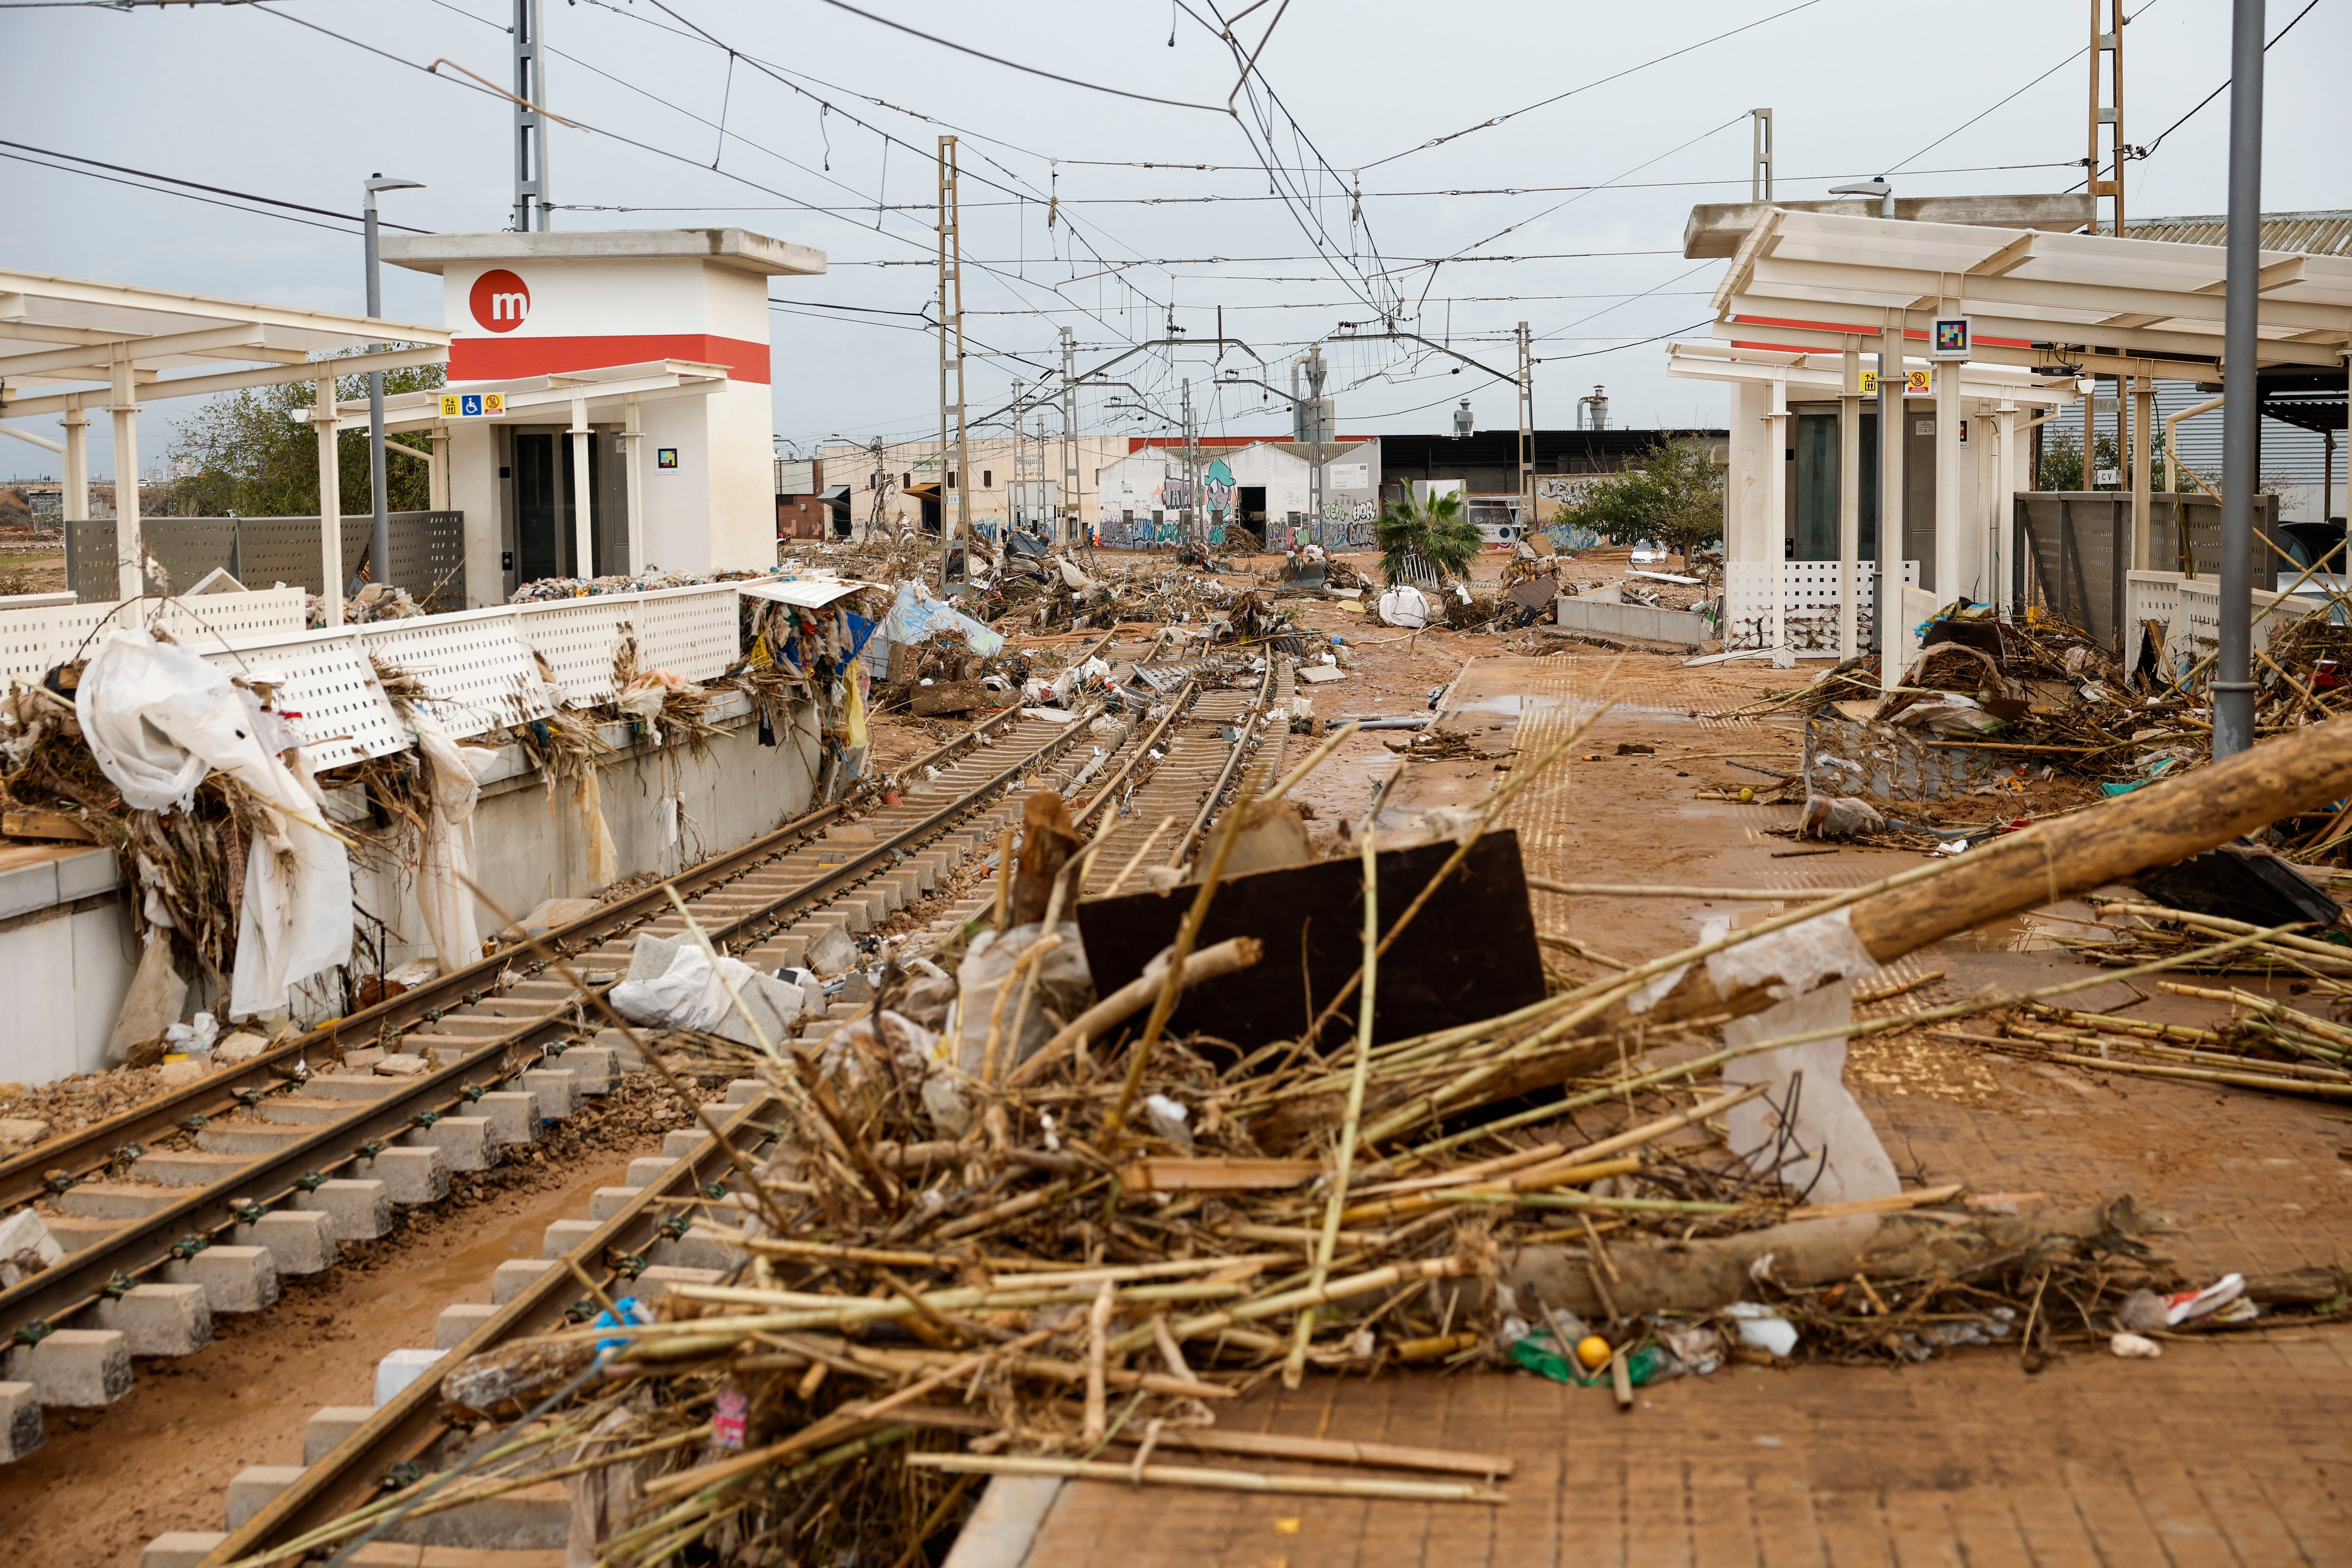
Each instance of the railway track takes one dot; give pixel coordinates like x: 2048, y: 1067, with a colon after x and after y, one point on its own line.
x: 1205, y: 740
x: 275, y: 1158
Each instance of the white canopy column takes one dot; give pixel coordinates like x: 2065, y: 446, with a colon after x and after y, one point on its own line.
x: 1776, y: 502
x: 1850, y: 502
x: 2008, y: 466
x: 2143, y: 455
x: 1890, y: 494
x: 1952, y: 533
x: 632, y: 443
x: 583, y: 531
x: 129, y: 575
x: 330, y: 505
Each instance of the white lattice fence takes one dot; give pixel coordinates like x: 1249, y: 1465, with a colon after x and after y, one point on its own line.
x: 2196, y: 628
x: 1810, y: 598
x: 476, y: 665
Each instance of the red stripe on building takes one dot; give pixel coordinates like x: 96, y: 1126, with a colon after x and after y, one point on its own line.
x: 1175, y: 443
x: 1918, y: 333
x: 504, y: 359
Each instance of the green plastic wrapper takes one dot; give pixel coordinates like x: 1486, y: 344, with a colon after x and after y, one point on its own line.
x: 1539, y: 1353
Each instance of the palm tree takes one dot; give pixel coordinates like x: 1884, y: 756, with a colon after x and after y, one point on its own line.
x: 1433, y: 532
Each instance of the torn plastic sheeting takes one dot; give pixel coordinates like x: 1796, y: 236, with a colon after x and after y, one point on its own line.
x: 158, y: 718
x: 673, y: 985
x: 1799, y: 957
x: 917, y: 617
x: 1805, y: 1130
x: 454, y: 776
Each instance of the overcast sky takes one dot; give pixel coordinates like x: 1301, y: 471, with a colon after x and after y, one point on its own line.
x: 251, y: 98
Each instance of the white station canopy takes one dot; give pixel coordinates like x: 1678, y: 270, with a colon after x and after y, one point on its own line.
x: 2135, y: 306
x: 61, y: 334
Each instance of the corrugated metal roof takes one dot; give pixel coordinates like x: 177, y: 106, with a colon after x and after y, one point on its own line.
x: 2313, y: 233
x: 2291, y: 456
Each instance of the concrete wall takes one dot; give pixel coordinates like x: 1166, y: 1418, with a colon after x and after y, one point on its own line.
x: 67, y: 950
x: 65, y: 956
x: 993, y: 460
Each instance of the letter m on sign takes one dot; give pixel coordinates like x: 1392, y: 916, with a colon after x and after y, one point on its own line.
x: 510, y: 306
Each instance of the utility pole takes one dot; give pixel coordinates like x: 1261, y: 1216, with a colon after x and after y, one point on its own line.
x: 1191, y: 508
x: 2241, y: 411
x: 531, y: 188
x: 2107, y: 52
x: 1314, y: 425
x: 1759, y: 165
x: 1014, y: 510
x: 380, y: 546
x: 1527, y: 424
x: 953, y: 535
x: 1070, y: 439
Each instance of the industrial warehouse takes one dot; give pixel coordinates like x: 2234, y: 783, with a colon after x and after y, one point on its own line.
x: 829, y: 786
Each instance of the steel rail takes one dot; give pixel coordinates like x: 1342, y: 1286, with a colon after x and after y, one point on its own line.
x: 1232, y: 766
x: 405, y: 1427
x: 143, y: 1245
x: 63, y: 1162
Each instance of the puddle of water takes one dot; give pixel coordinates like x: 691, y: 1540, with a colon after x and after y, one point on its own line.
x: 1506, y: 703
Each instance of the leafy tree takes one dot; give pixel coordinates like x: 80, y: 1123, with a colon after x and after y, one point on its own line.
x: 1674, y: 496
x: 244, y: 452
x: 1435, y: 530
x: 2062, y: 461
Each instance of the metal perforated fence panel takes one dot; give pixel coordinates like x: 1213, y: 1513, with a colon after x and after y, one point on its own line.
x: 428, y: 553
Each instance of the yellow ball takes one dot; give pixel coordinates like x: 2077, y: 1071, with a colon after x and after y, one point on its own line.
x: 1591, y: 1351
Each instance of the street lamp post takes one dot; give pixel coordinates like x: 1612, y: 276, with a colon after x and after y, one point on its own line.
x: 380, y: 543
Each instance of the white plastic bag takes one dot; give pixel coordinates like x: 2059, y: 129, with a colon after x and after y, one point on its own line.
x: 453, y: 777
x: 157, y: 718
x: 1064, y: 985
x: 1405, y: 606
x: 688, y: 995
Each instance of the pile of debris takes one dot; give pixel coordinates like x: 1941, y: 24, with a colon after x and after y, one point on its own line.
x: 1049, y: 1205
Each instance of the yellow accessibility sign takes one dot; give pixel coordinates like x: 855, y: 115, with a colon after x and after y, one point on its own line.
x: 472, y: 405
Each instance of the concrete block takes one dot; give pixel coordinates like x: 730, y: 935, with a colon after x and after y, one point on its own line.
x: 653, y: 1284
x: 410, y: 1176
x: 160, y: 1320
x: 299, y: 1241
x: 398, y: 1369
x: 680, y: 1142
x: 457, y: 1323
x: 512, y: 1113
x: 180, y: 1548
x: 606, y: 1202
x: 530, y: 1519
x: 251, y: 1138
x: 625, y: 1056
x: 563, y: 1235
x: 187, y: 1167
x: 20, y: 1421
x: 647, y: 1169
x: 830, y: 949
x: 328, y: 1427
x: 744, y: 1091
x: 351, y: 1086
x: 115, y: 1200
x: 702, y: 1246
x: 294, y: 1111
x: 862, y: 908
x: 234, y: 1278
x: 890, y: 890
x: 515, y: 1276
x: 789, y: 951
x: 74, y: 1233
x: 595, y: 1066
x: 1684, y: 627
x: 355, y: 1210
x: 255, y: 1488
x: 81, y: 1368
x: 464, y: 1141
x: 557, y: 1091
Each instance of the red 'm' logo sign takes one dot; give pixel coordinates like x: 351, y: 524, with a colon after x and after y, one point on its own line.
x: 500, y: 300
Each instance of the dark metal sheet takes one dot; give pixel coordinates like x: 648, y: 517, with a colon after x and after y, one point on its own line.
x: 1470, y: 953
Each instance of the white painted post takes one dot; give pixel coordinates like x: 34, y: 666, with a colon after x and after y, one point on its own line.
x: 634, y: 443
x: 2003, y: 508
x: 330, y: 505
x: 1776, y: 507
x: 437, y: 483
x: 584, y: 534
x: 129, y: 577
x: 75, y: 502
x: 2143, y: 416
x: 1850, y: 503
x: 1891, y: 639
x: 1951, y: 530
